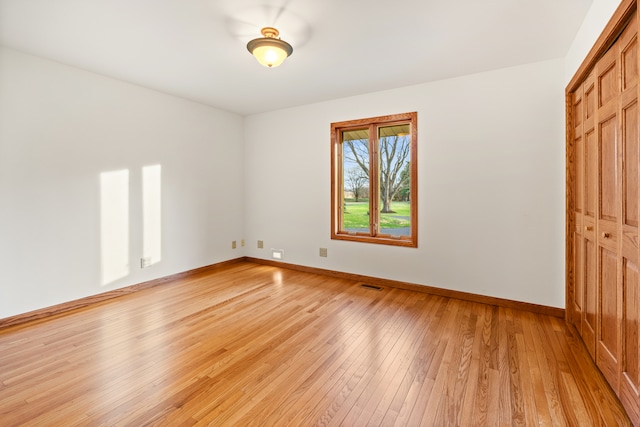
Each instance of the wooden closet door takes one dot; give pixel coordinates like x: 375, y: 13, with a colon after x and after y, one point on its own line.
x: 589, y: 242
x: 630, y: 153
x: 583, y: 296
x: 608, y: 217
x: 604, y: 178
x: 576, y: 297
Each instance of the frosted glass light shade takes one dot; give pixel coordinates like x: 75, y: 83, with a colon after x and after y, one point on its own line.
x: 269, y: 50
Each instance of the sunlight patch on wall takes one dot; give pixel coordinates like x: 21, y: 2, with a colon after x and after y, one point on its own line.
x: 151, y: 213
x: 114, y: 225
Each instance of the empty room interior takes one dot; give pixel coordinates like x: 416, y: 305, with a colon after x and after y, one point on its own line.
x: 416, y: 213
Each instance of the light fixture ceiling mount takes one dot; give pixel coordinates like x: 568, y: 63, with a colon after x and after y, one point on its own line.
x: 270, y: 50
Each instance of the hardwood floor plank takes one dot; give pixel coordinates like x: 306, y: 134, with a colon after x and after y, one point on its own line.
x: 397, y: 367
x: 432, y: 414
x: 381, y: 341
x: 258, y: 345
x: 506, y: 410
x: 282, y: 377
x: 546, y: 391
x: 479, y: 404
x: 474, y: 380
x: 412, y: 375
x: 334, y: 375
x: 421, y: 384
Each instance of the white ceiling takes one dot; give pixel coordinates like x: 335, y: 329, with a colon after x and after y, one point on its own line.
x: 196, y: 49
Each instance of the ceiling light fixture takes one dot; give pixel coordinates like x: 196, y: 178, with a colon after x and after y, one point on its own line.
x: 269, y: 50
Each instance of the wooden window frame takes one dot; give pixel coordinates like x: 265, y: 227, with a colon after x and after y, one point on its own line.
x: 337, y: 176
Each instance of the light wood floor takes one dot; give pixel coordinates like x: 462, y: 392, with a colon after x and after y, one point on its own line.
x: 257, y: 345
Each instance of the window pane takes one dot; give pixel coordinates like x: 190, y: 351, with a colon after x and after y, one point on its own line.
x: 395, y: 180
x: 355, y: 179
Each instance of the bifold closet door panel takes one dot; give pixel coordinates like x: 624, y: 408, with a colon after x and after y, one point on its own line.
x: 608, y: 217
x: 576, y: 295
x: 582, y: 296
x: 630, y: 152
x: 590, y: 271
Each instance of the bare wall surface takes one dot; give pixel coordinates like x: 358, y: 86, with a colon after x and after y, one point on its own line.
x: 491, y: 188
x: 491, y: 184
x: 76, y: 149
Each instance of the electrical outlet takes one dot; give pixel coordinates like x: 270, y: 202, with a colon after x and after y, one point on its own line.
x: 260, y: 244
x: 145, y: 262
x: 233, y: 244
x: 242, y: 242
x: 323, y: 252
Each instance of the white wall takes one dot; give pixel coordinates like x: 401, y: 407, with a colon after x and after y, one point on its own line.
x: 60, y: 128
x: 491, y: 184
x: 491, y: 150
x: 594, y: 22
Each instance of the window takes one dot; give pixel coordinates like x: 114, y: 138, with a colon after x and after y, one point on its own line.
x: 374, y: 180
